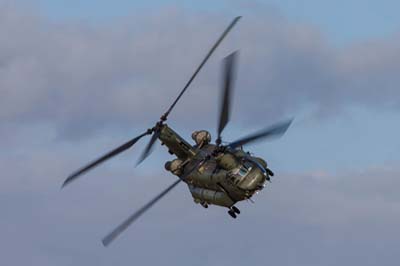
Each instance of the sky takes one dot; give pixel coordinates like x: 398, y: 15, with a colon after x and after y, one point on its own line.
x: 80, y: 78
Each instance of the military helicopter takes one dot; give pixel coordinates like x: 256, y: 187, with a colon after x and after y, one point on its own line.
x: 215, y: 174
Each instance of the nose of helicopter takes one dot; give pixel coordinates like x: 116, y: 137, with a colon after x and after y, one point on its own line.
x: 255, y: 180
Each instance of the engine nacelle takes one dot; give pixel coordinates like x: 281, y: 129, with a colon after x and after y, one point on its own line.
x: 201, y: 137
x: 174, y: 166
x: 210, y: 196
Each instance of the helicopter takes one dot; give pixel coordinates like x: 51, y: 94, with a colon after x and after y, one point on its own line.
x: 215, y: 174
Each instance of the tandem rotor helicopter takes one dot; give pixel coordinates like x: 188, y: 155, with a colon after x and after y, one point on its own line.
x: 216, y: 174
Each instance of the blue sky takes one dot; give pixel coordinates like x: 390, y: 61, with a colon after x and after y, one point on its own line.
x: 79, y: 78
x: 343, y: 21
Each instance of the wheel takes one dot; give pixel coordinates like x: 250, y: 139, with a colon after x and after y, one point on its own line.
x: 270, y: 172
x: 236, y: 210
x: 232, y: 214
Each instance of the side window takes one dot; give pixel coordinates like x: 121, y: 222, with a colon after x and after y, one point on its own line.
x: 243, y: 172
x: 238, y: 174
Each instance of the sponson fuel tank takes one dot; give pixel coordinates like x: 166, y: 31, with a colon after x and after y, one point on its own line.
x: 210, y: 196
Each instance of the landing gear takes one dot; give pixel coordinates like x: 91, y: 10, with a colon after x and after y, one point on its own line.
x: 204, y: 204
x: 270, y: 172
x: 236, y: 210
x: 233, y: 212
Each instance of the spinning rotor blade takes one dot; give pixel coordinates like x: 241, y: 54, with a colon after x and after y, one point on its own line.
x: 276, y: 130
x: 102, y: 159
x: 164, y: 117
x: 117, y: 231
x: 226, y: 96
x: 149, y: 147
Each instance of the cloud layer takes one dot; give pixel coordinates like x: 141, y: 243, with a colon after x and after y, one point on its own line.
x: 308, y: 219
x: 82, y: 78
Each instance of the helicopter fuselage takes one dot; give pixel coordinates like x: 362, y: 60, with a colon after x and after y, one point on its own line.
x: 223, y: 180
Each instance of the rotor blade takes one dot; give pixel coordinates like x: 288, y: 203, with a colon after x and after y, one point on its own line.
x: 226, y: 96
x: 149, y: 147
x: 276, y: 130
x: 105, y: 157
x: 117, y: 231
x: 164, y: 117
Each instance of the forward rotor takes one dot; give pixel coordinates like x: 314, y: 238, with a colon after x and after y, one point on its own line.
x: 229, y: 73
x: 274, y: 131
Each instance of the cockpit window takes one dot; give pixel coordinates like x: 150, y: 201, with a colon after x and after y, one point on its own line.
x: 243, y: 171
x: 239, y: 174
x: 248, y: 165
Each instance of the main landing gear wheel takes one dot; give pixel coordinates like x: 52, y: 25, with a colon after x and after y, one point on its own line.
x: 233, y: 211
x: 236, y: 210
x: 232, y: 214
x: 204, y: 204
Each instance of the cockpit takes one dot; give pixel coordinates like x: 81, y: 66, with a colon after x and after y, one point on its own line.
x: 241, y: 172
x: 247, y: 177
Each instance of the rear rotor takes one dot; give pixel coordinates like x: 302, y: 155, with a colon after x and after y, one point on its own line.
x: 155, y: 132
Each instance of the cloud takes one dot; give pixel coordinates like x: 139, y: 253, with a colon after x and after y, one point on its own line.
x: 305, y: 219
x: 82, y: 78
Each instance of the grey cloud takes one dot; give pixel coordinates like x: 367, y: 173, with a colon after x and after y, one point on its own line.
x: 82, y: 78
x: 307, y: 219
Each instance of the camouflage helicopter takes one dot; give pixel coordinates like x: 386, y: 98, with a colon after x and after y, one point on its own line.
x: 215, y: 174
